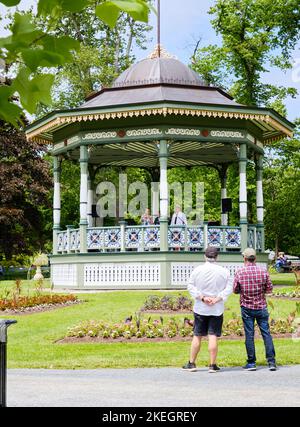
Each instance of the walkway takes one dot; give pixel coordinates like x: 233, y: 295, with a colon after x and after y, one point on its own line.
x: 154, y: 387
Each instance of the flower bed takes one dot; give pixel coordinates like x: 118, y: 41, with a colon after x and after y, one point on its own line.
x: 295, y: 293
x: 21, y: 303
x: 167, y: 303
x: 171, y: 329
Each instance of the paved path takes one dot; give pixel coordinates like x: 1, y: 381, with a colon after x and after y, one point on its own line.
x: 154, y: 387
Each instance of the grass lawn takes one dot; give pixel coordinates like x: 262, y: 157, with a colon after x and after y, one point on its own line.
x: 286, y: 279
x: 32, y: 339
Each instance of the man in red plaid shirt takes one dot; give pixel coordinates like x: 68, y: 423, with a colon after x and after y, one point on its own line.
x: 252, y: 283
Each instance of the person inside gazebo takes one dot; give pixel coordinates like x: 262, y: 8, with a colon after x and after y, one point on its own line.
x: 147, y: 218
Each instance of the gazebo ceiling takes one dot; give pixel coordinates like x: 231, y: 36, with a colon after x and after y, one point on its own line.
x: 141, y: 154
x: 161, y: 88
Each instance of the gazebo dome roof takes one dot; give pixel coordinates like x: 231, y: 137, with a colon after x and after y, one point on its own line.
x: 158, y: 78
x: 158, y: 70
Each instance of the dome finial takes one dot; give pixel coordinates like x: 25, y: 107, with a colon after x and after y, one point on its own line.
x: 158, y: 28
x: 160, y: 52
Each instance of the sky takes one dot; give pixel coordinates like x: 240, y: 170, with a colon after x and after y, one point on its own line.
x: 182, y: 24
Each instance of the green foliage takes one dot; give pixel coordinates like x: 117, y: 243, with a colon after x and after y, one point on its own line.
x: 171, y: 328
x: 10, y: 2
x: 167, y: 302
x: 110, y: 11
x: 25, y: 180
x: 254, y: 34
x: 282, y: 191
x: 30, y: 48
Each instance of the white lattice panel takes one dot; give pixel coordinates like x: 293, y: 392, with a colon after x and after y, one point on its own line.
x: 129, y: 274
x: 180, y: 271
x: 64, y: 274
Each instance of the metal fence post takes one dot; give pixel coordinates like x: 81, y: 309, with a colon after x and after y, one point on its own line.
x: 4, y: 324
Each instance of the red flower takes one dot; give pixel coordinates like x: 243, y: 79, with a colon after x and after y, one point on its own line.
x: 121, y: 133
x: 205, y: 133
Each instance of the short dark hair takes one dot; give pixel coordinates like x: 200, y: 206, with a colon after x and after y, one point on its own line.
x: 211, y: 252
x: 251, y: 258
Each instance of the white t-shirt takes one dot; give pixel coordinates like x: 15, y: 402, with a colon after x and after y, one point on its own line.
x: 210, y: 280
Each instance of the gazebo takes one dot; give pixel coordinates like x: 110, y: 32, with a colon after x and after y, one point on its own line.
x: 158, y: 114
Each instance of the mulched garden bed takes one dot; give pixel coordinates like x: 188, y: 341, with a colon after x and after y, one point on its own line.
x: 167, y: 311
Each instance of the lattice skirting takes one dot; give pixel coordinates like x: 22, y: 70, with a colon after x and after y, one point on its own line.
x: 180, y: 272
x: 64, y: 274
x: 122, y: 275
x: 130, y: 274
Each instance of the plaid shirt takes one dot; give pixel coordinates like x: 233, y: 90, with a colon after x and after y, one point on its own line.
x: 252, y: 283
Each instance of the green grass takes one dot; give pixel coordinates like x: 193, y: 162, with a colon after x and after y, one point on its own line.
x: 32, y: 339
x: 286, y: 279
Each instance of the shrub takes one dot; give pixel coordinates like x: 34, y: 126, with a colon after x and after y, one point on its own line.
x: 167, y: 302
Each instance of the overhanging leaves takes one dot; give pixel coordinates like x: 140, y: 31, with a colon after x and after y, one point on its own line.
x: 10, y: 3
x: 109, y: 11
x: 9, y: 112
x: 51, y: 7
x: 33, y: 91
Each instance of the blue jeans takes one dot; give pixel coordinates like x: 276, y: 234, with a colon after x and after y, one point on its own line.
x: 262, y: 318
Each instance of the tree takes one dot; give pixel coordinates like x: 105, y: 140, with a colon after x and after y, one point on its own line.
x: 282, y: 195
x: 103, y: 54
x: 24, y: 182
x: 255, y: 34
x: 32, y: 49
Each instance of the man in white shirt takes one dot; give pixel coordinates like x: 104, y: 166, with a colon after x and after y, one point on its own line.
x: 209, y: 285
x: 178, y: 218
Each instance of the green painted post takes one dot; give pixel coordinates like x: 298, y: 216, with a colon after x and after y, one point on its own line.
x: 83, y: 197
x: 56, y: 201
x: 243, y: 195
x: 164, y: 194
x: 260, y: 199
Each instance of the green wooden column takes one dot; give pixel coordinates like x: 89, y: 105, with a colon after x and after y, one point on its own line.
x: 260, y: 200
x: 83, y: 197
x: 223, y: 179
x: 243, y: 195
x: 165, y: 271
x: 56, y: 200
x: 163, y: 194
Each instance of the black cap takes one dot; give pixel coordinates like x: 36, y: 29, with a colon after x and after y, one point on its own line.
x: 211, y: 252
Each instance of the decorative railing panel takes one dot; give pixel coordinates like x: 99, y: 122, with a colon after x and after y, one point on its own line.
x: 112, y: 238
x: 195, y: 237
x: 259, y: 240
x: 176, y: 236
x: 151, y: 237
x: 133, y: 238
x: 60, y: 241
x: 75, y: 240
x: 68, y: 241
x: 232, y: 238
x: 214, y: 237
x: 251, y: 237
x: 95, y: 238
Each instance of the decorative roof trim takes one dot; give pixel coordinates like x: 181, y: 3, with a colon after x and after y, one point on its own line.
x: 164, y: 111
x: 160, y: 52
